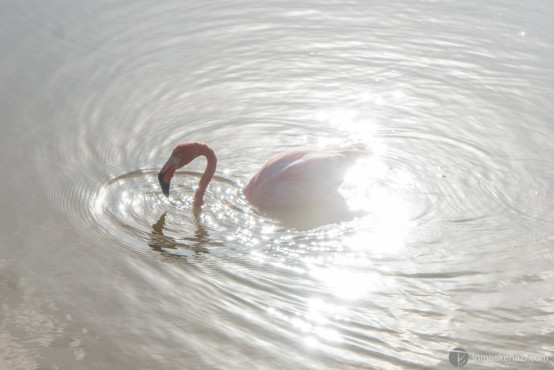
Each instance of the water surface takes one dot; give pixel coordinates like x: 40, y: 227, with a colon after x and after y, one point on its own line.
x: 443, y: 237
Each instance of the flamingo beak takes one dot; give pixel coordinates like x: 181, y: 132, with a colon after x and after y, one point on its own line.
x: 164, y: 185
x: 167, y: 172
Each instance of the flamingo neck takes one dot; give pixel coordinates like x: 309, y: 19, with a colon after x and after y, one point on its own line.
x: 206, y: 151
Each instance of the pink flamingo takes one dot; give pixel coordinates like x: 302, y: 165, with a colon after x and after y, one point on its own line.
x: 293, y: 178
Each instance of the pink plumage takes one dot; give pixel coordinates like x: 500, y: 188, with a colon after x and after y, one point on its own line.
x: 300, y: 176
x: 293, y: 178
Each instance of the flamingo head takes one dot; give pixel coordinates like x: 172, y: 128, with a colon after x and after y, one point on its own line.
x: 182, y: 155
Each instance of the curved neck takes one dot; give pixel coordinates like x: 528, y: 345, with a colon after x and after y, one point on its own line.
x: 206, y: 151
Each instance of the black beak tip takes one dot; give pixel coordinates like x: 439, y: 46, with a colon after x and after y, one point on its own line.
x: 164, y: 185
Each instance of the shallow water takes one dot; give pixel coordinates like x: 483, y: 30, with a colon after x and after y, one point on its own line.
x: 442, y: 238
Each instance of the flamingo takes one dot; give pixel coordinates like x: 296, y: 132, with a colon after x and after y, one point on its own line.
x: 293, y: 178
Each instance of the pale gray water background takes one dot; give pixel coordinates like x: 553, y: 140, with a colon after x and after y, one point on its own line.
x: 449, y: 237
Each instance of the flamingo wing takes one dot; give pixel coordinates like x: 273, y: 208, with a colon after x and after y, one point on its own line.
x: 299, y: 177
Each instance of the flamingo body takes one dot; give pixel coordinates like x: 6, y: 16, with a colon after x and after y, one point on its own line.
x: 293, y: 178
x: 299, y: 177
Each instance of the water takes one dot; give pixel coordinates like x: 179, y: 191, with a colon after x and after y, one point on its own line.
x: 444, y: 237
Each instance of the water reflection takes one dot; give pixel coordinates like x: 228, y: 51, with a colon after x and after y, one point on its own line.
x: 332, y: 210
x: 170, y: 246
x: 317, y: 323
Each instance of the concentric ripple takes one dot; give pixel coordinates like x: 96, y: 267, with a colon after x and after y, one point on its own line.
x: 446, y: 231
x: 523, y: 188
x: 423, y: 189
x: 132, y: 208
x: 458, y: 184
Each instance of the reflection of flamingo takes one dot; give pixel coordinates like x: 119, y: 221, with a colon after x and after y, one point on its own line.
x: 169, y: 246
x: 293, y: 178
